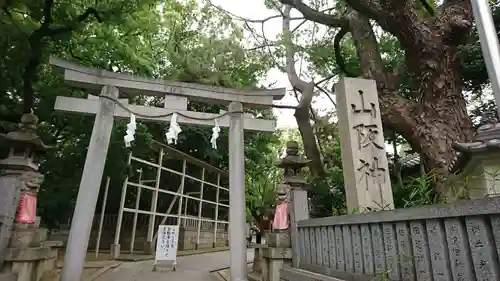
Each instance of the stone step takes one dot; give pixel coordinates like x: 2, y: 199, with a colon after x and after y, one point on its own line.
x: 8, y: 276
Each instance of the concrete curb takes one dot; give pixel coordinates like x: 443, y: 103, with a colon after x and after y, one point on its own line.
x: 100, y: 272
x: 226, y: 267
x: 223, y: 274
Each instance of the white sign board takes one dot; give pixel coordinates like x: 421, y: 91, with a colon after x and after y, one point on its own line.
x: 166, y: 245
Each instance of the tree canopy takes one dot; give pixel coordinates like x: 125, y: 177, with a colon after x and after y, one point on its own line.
x: 178, y: 41
x: 424, y: 56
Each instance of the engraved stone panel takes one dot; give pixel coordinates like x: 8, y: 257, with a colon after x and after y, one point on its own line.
x: 438, y: 250
x: 405, y: 251
x: 325, y: 247
x: 357, y: 249
x: 307, y: 251
x: 332, y: 248
x: 420, y: 251
x: 458, y: 247
x: 391, y: 251
x: 495, y: 226
x: 319, y: 247
x: 482, y: 249
x: 378, y: 248
x: 302, y: 244
x: 339, y: 244
x: 349, y: 262
x: 312, y: 238
x: 366, y: 241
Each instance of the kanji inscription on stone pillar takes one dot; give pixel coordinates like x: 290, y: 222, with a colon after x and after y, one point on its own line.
x: 364, y: 159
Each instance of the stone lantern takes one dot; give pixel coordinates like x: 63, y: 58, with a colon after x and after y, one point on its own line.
x: 292, y: 163
x: 283, y: 245
x: 24, y: 251
x: 21, y: 164
x: 479, y: 160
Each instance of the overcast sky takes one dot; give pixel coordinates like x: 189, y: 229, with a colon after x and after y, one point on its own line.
x: 256, y: 10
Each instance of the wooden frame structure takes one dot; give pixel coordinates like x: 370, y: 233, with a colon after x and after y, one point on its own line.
x: 176, y: 98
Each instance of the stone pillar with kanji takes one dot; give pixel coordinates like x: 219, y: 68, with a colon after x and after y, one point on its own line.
x: 364, y: 158
x: 291, y: 206
x: 25, y: 250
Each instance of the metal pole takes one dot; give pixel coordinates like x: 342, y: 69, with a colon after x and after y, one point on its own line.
x: 200, y: 207
x: 489, y: 44
x: 170, y: 207
x: 115, y: 248
x: 185, y: 211
x: 179, y: 209
x: 88, y: 192
x: 154, y: 202
x: 134, y: 223
x: 186, y: 205
x: 101, y: 220
x: 216, y: 210
x: 237, y: 245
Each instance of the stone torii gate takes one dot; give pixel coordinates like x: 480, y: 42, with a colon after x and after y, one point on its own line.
x: 176, y: 97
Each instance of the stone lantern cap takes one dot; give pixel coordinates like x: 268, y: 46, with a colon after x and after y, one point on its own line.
x: 25, y: 136
x: 486, y: 139
x: 292, y: 159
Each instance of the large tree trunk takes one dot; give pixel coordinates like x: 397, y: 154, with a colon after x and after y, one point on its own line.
x: 431, y: 114
x: 441, y: 116
x: 435, y: 116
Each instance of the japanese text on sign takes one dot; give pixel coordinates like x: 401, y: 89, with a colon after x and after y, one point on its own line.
x: 166, y: 246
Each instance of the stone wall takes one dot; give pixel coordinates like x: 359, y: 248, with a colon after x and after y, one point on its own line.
x: 187, y: 239
x: 459, y: 241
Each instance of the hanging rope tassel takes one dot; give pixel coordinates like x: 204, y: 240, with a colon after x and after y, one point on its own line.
x: 173, y: 130
x: 215, y: 134
x: 129, y: 134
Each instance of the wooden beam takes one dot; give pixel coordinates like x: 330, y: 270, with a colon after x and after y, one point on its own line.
x: 92, y: 78
x: 90, y: 107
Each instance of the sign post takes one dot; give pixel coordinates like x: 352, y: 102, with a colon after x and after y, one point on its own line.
x: 166, y: 245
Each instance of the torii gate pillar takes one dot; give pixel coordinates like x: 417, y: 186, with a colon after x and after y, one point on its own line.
x: 178, y: 94
x: 237, y: 227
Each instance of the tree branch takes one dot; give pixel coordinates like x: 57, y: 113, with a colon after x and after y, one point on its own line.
x: 326, y: 94
x: 35, y: 41
x: 307, y: 90
x: 47, y: 14
x: 247, y: 20
x: 89, y: 12
x: 338, y: 51
x: 314, y: 15
x: 396, y: 110
x: 398, y: 17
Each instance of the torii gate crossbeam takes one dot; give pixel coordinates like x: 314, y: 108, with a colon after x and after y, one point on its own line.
x: 176, y: 97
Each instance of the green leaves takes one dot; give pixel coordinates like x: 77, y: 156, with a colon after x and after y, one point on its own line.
x: 184, y: 42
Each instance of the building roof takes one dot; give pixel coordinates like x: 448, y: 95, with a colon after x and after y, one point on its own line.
x: 486, y: 139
